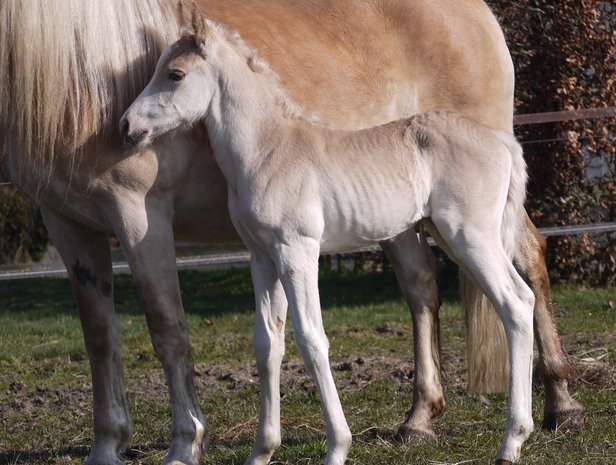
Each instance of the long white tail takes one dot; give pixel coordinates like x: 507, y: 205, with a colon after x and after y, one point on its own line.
x: 488, y: 359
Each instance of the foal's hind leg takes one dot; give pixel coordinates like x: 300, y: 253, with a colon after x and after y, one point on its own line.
x: 269, y: 334
x: 417, y: 270
x: 87, y: 258
x: 561, y: 410
x: 480, y: 252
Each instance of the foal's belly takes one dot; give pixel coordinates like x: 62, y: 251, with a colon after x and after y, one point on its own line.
x: 358, y: 224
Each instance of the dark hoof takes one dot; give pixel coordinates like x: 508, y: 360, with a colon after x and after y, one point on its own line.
x: 502, y: 462
x: 415, y: 437
x: 567, y: 420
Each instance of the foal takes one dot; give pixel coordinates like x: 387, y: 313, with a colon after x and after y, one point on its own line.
x: 290, y: 200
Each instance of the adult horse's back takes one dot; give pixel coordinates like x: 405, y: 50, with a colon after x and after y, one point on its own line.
x: 72, y: 67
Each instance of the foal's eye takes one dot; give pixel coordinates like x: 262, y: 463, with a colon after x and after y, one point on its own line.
x: 176, y: 75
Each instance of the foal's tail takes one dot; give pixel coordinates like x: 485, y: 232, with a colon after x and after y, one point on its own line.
x: 514, y: 209
x: 488, y: 360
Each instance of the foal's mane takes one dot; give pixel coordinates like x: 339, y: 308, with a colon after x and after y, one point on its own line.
x: 257, y: 65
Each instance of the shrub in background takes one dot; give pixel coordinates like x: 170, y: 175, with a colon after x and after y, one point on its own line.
x: 564, y: 53
x: 22, y: 233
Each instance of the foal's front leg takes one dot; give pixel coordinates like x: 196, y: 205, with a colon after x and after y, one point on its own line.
x: 269, y: 334
x: 297, y: 266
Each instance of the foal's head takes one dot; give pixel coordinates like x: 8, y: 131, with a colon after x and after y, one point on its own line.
x: 180, y: 90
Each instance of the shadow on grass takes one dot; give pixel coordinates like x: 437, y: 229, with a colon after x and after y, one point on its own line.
x: 205, y: 293
x: 41, y: 456
x: 141, y: 451
x: 220, y: 292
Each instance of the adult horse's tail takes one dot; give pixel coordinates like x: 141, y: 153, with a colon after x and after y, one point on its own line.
x: 487, y: 354
x: 70, y: 68
x: 488, y: 363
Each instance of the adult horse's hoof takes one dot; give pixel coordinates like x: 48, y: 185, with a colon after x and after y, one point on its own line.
x: 415, y: 437
x: 502, y: 462
x: 567, y: 420
x: 103, y: 459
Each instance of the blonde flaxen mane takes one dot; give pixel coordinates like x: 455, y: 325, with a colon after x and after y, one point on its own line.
x: 68, y: 78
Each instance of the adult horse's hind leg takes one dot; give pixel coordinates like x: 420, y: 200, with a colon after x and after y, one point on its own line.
x: 87, y: 258
x: 560, y: 410
x: 269, y: 335
x: 149, y: 248
x: 417, y: 272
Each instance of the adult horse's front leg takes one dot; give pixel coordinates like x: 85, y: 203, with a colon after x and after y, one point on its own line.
x: 417, y: 272
x: 561, y: 411
x: 87, y: 258
x: 148, y: 243
x: 297, y: 265
x: 269, y: 335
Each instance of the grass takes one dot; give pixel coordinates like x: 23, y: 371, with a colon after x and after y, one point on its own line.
x: 45, y: 392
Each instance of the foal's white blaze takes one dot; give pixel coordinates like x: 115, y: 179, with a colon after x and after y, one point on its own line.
x: 296, y: 189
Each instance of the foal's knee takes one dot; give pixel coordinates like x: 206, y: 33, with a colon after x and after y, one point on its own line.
x: 313, y: 345
x: 269, y: 348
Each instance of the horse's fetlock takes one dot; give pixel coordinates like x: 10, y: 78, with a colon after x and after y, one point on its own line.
x: 124, y: 434
x: 439, y: 407
x: 344, y: 439
x: 556, y: 371
x: 270, y: 441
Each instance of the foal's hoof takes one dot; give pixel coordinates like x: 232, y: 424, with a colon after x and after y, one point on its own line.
x: 567, y: 420
x: 502, y: 462
x: 415, y: 437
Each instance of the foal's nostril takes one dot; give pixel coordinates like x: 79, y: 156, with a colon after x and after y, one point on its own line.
x: 124, y: 127
x: 138, y: 136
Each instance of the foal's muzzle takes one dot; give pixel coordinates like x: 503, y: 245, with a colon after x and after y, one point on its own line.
x: 130, y: 135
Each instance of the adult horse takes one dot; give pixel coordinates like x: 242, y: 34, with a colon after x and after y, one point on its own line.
x: 72, y: 67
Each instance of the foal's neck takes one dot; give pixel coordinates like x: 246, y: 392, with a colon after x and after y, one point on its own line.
x: 245, y: 116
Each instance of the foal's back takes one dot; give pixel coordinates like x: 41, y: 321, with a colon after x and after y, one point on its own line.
x: 411, y: 153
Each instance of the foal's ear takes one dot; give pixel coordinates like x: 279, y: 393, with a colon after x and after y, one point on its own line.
x: 200, y: 29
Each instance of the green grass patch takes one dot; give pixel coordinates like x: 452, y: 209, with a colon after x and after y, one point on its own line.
x: 45, y: 391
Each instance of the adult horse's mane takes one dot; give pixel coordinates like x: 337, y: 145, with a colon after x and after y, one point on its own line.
x: 67, y: 77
